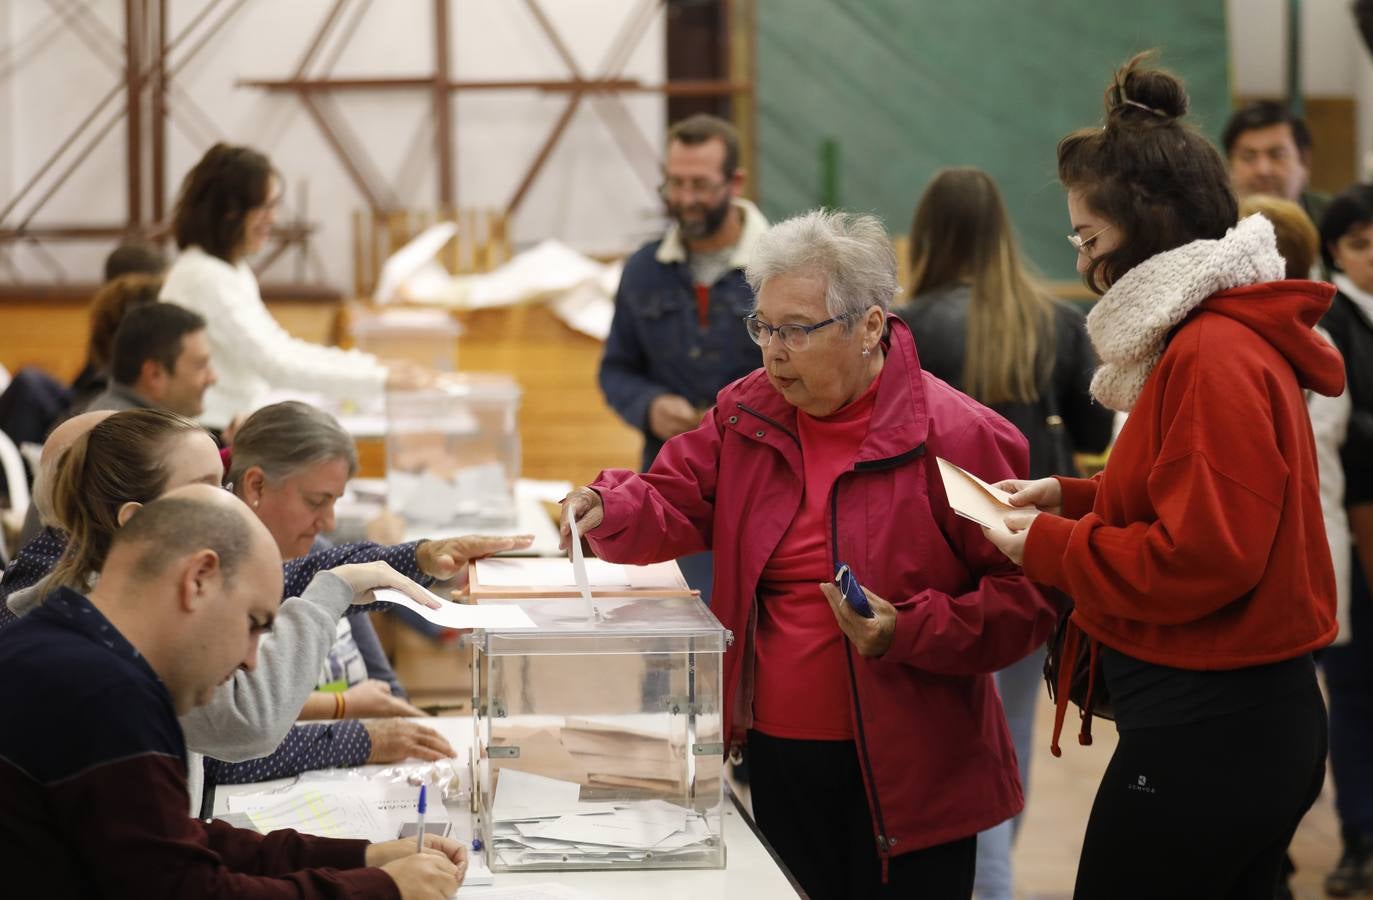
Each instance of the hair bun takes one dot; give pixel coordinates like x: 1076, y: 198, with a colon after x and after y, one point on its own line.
x: 1138, y: 94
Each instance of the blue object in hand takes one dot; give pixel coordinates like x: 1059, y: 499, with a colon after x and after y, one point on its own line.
x: 853, y: 593
x: 419, y: 832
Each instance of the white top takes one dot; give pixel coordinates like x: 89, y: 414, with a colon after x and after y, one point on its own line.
x: 252, y: 354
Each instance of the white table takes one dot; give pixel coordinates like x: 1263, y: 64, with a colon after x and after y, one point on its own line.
x: 750, y: 870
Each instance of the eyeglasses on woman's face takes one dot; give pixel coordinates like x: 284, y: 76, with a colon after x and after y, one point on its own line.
x: 1083, y: 245
x: 795, y: 337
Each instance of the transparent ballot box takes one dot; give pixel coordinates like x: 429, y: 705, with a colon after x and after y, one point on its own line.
x: 598, y: 739
x: 425, y: 336
x: 453, y: 453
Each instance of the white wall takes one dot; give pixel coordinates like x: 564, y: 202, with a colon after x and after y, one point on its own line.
x: 1335, y: 62
x: 586, y: 194
x: 7, y: 137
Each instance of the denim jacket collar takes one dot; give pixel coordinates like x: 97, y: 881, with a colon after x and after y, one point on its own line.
x: 673, y: 250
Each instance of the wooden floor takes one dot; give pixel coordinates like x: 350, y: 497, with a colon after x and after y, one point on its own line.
x: 1060, y: 798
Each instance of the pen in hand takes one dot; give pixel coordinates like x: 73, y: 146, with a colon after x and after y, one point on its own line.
x: 419, y: 834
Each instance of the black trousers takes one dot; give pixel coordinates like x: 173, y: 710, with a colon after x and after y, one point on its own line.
x: 809, y: 802
x: 1349, y: 681
x: 1205, y: 810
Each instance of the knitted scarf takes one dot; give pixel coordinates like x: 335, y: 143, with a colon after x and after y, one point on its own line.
x: 1131, y: 321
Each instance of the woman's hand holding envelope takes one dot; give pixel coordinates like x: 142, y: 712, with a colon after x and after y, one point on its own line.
x: 1044, y: 494
x: 1012, y: 542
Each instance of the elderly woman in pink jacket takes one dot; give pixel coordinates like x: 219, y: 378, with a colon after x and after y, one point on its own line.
x: 877, y: 746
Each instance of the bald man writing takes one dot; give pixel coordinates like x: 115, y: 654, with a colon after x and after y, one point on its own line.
x: 92, y: 759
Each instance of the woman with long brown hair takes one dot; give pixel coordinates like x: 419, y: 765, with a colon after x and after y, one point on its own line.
x: 983, y: 323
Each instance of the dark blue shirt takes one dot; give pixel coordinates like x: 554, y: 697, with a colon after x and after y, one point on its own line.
x: 77, y: 694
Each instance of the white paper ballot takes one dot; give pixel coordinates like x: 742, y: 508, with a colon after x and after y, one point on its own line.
x: 523, y: 795
x: 974, y: 499
x: 462, y: 615
x: 579, y: 566
x: 621, y: 829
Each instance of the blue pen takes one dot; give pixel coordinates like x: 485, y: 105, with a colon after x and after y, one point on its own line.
x: 419, y: 834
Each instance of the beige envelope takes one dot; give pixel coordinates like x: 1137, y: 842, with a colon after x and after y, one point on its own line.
x: 972, y: 498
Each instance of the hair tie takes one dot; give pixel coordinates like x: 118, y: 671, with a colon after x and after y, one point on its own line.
x: 1135, y: 103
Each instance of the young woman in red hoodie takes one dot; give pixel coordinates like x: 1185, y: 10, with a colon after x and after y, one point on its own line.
x: 1197, y: 559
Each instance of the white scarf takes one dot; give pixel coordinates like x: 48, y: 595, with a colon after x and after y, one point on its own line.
x: 1129, y: 323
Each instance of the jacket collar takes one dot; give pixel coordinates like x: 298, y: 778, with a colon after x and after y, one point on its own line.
x: 900, y: 418
x: 127, y: 394
x: 673, y: 250
x: 1362, y: 300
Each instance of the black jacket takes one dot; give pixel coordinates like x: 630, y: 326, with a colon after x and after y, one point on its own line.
x: 939, y: 321
x: 1352, y: 333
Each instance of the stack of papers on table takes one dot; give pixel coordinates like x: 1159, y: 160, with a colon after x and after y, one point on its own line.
x: 537, y: 819
x: 369, y: 810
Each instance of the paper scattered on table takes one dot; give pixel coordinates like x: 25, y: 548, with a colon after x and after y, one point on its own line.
x: 491, y: 616
x: 974, y: 499
x: 331, y: 815
x: 411, y: 258
x: 544, y: 272
x: 556, y: 572
x: 588, y: 308
x: 394, y: 803
x: 579, y: 567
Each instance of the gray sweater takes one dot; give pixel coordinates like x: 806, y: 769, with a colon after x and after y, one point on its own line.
x: 251, y: 713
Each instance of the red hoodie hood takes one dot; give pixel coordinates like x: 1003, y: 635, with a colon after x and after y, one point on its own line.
x: 1285, y: 313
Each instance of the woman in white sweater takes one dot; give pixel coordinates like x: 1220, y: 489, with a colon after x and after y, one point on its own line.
x: 225, y: 214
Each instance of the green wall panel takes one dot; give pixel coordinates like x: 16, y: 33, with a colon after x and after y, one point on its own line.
x: 904, y: 87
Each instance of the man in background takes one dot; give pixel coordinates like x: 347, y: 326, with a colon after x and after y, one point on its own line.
x: 678, y: 334
x: 1268, y: 150
x: 160, y: 359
